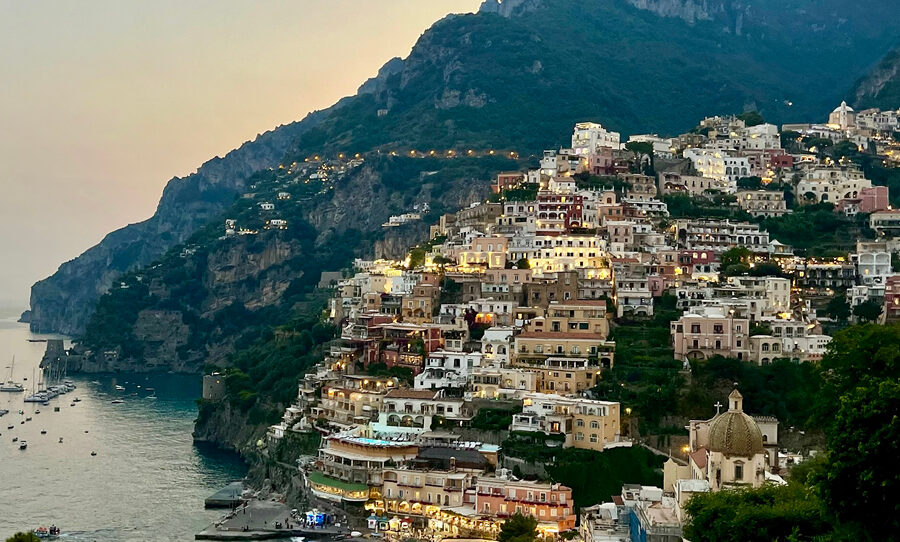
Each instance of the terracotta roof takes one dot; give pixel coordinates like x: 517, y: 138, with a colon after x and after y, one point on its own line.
x: 412, y: 394
x: 560, y: 335
x: 699, y: 457
x: 618, y: 500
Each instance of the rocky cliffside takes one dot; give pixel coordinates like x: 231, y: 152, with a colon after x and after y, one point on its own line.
x: 881, y: 87
x: 192, y: 306
x: 64, y: 301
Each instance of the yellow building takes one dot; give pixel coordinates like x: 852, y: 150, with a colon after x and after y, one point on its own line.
x: 585, y: 423
x: 534, y: 348
x: 582, y: 317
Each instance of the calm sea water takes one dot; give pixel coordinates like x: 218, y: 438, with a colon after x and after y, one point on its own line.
x: 147, y: 481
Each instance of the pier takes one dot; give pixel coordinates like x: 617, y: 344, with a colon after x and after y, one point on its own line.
x: 256, y: 520
x: 227, y: 497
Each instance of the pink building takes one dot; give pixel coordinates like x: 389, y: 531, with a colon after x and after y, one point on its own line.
x: 550, y: 504
x: 892, y: 299
x: 873, y: 199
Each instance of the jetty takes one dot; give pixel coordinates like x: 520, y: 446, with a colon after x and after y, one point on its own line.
x: 229, y: 496
x: 256, y: 520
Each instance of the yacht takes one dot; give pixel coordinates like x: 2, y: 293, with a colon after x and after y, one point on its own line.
x: 9, y: 385
x: 117, y: 401
x: 23, y: 445
x: 3, y: 412
x: 120, y: 388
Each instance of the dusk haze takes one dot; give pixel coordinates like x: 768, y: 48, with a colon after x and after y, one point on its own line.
x: 450, y: 271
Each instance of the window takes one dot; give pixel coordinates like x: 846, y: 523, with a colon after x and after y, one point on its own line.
x: 595, y: 424
x: 718, y: 329
x: 579, y: 422
x: 695, y: 328
x: 738, y: 470
x: 593, y: 437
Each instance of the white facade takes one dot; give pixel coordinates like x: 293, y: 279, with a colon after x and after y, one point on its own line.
x: 589, y: 136
x: 445, y: 369
x: 719, y: 165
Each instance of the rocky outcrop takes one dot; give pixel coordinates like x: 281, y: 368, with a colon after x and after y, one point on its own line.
x: 688, y: 10
x: 881, y: 87
x: 508, y: 8
x: 64, y: 301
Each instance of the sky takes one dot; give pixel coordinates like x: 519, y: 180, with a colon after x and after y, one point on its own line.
x: 102, y: 102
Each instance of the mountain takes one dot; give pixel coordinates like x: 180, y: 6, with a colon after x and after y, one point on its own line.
x: 203, y: 298
x: 516, y: 76
x: 64, y: 301
x: 881, y: 87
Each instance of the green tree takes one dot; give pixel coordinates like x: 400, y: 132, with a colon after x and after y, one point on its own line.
x: 862, y: 479
x: 518, y: 528
x: 867, y: 311
x: 752, y: 118
x: 784, y: 513
x: 23, y: 537
x: 523, y: 264
x: 749, y: 183
x: 735, y: 256
x: 838, y: 307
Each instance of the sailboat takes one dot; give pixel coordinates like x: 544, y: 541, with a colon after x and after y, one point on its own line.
x: 10, y: 386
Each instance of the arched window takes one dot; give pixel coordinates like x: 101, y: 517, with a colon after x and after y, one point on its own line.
x: 595, y: 424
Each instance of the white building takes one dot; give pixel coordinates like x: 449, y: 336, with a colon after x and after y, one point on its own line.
x: 589, y: 136
x: 832, y: 183
x: 445, y: 369
x: 415, y: 411
x: 496, y: 345
x: 719, y: 165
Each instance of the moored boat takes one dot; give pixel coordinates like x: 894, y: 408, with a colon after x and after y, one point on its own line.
x: 47, y: 532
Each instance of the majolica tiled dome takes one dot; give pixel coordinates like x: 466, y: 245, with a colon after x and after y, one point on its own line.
x: 734, y: 433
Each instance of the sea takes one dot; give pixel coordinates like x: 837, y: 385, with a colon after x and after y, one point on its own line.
x: 147, y: 481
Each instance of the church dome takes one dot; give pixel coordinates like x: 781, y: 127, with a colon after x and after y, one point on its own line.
x: 843, y: 107
x: 734, y: 433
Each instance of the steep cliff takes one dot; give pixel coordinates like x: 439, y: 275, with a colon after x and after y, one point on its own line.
x: 64, y: 301
x: 881, y: 87
x: 516, y: 76
x: 216, y: 292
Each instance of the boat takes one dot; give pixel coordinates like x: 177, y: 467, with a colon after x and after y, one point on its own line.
x: 9, y: 385
x: 47, y: 532
x: 93, y: 453
x: 153, y: 396
x: 38, y: 411
x: 3, y: 412
x: 117, y: 401
x: 23, y: 445
x: 56, y: 409
x: 43, y: 431
x: 150, y: 389
x: 60, y: 440
x: 28, y: 418
x: 10, y: 426
x: 77, y: 400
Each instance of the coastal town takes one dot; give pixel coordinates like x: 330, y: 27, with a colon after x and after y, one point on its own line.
x: 462, y: 368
